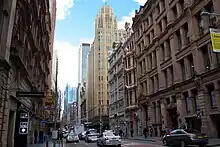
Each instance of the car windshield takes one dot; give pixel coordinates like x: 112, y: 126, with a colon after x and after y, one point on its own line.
x: 192, y: 131
x: 110, y: 134
x: 92, y: 135
x: 72, y: 134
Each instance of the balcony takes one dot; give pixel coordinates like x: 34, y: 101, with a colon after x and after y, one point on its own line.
x: 128, y: 53
x: 130, y: 86
x: 131, y: 107
x: 130, y: 68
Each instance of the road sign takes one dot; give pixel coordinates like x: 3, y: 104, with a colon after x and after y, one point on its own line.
x: 24, y: 115
x: 30, y: 94
x: 23, y: 128
x: 49, y: 101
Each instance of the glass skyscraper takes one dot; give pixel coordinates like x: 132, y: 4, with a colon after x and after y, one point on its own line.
x: 70, y: 94
x: 85, y: 51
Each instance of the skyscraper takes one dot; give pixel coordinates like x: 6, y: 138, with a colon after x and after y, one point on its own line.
x: 53, y: 23
x: 106, y: 32
x: 85, y: 47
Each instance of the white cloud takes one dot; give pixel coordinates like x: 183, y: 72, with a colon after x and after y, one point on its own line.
x: 141, y: 2
x: 125, y: 19
x: 86, y: 40
x: 63, y: 7
x: 67, y: 63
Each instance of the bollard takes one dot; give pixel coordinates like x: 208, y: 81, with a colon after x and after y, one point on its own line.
x: 54, y: 143
x: 47, y: 144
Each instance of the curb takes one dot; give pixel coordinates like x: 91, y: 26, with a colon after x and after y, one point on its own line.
x: 149, y: 140
x: 209, y: 145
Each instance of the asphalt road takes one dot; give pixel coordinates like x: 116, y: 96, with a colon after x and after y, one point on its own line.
x: 125, y: 143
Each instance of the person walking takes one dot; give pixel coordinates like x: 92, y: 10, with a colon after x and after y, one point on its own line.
x: 132, y: 133
x: 145, y: 133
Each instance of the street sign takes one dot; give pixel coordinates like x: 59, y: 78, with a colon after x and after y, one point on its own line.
x: 49, y: 101
x: 23, y: 128
x: 30, y: 94
x: 24, y: 115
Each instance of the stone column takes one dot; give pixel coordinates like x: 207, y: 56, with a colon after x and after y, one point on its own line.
x: 161, y: 80
x: 166, y: 49
x: 216, y: 4
x: 217, y: 93
x: 158, y: 117
x: 181, y: 108
x: 153, y: 114
x: 187, y: 68
x: 170, y: 17
x: 164, y: 25
x: 183, y: 37
x: 153, y: 60
x: 203, y: 107
x: 192, y: 106
x: 212, y: 57
x: 164, y: 113
x: 176, y: 66
x: 161, y: 5
x: 179, y: 9
x: 169, y: 75
x: 197, y: 58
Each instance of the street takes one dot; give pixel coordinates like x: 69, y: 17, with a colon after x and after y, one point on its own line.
x: 125, y: 143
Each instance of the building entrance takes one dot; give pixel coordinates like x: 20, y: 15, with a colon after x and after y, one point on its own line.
x: 194, y: 123
x: 216, y: 121
x: 173, y: 117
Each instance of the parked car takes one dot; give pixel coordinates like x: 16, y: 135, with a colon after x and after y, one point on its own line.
x: 185, y: 137
x: 72, y: 137
x: 92, y: 137
x: 109, y: 138
x: 82, y: 135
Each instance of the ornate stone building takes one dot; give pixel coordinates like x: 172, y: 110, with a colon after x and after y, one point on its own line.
x: 178, y: 74
x: 116, y: 88
x: 130, y: 82
x: 24, y: 57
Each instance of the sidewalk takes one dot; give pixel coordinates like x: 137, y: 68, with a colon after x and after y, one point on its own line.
x: 50, y: 144
x: 212, y: 142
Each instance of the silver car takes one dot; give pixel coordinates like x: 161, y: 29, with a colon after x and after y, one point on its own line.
x: 91, y: 137
x: 72, y: 137
x: 109, y: 139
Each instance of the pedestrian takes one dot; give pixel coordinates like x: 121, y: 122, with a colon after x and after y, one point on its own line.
x: 145, y: 133
x: 120, y: 133
x: 132, y: 133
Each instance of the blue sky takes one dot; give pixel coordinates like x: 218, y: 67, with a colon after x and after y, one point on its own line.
x: 75, y: 24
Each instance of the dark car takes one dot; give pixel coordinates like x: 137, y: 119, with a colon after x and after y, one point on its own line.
x: 185, y: 137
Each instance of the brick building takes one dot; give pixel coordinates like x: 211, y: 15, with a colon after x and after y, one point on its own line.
x: 24, y: 58
x: 178, y: 74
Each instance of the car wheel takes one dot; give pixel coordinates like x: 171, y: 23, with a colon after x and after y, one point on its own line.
x: 182, y: 143
x: 165, y: 143
x: 201, y: 145
x: 119, y: 145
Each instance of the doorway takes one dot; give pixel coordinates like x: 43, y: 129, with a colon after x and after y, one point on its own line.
x: 173, y: 117
x: 10, y: 136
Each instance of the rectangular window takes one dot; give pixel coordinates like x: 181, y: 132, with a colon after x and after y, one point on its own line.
x: 183, y: 70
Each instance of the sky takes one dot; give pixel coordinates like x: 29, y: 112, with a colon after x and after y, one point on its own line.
x: 75, y: 24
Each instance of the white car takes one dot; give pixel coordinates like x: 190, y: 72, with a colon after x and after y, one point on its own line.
x: 109, y: 139
x: 72, y: 137
x: 93, y: 137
